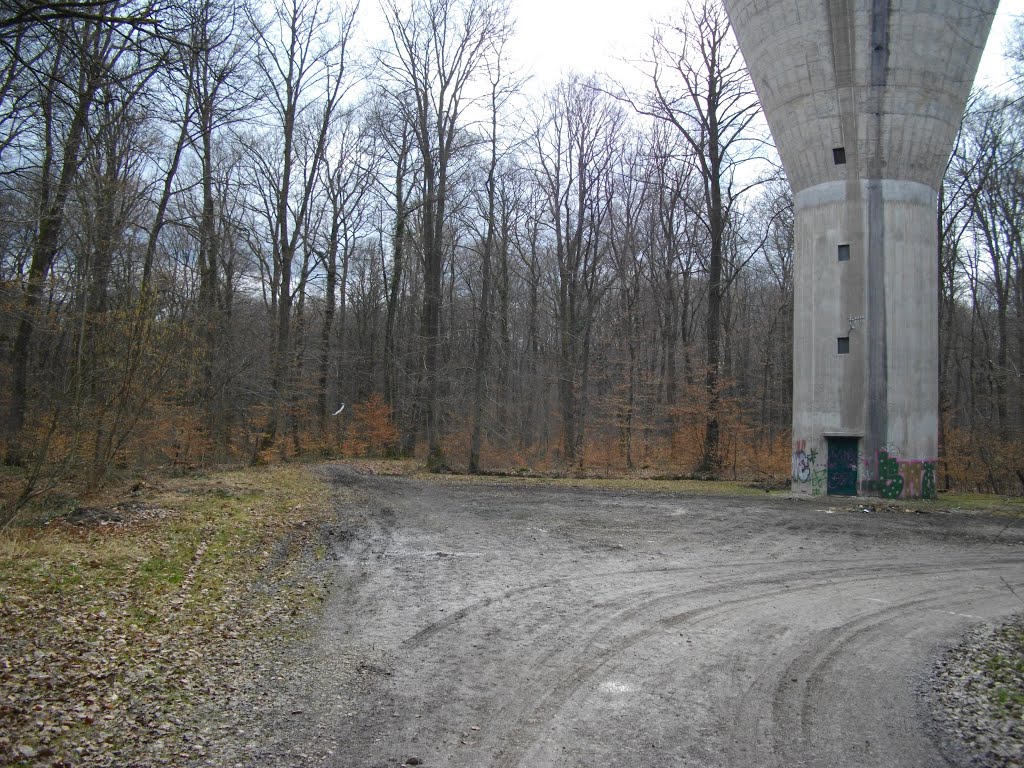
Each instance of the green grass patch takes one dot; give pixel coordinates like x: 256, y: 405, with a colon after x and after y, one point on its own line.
x: 981, y: 502
x: 1002, y: 663
x: 1006, y: 670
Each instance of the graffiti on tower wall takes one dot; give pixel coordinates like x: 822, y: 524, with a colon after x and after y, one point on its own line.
x: 892, y: 476
x: 819, y: 479
x: 869, y: 470
x: 807, y: 470
x: 905, y: 478
x: 803, y: 461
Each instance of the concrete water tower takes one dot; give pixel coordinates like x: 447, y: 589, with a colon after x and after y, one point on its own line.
x: 864, y: 99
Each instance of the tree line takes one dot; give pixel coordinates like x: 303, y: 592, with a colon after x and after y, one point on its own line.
x: 221, y: 221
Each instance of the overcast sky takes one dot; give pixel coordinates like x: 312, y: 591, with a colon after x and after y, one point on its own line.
x: 555, y: 36
x: 993, y: 70
x: 558, y: 36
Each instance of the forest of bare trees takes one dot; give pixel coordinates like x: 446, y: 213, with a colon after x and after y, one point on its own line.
x: 219, y: 221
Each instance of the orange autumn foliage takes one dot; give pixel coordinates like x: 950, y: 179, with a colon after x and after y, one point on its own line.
x: 372, y: 431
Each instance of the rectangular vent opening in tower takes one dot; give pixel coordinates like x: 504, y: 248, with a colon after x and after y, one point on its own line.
x: 844, y: 252
x: 839, y: 155
x: 844, y: 345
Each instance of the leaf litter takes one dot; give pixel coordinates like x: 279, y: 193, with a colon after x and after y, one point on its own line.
x: 124, y: 630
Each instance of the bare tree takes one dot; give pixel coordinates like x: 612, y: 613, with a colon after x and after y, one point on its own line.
x: 673, y: 189
x: 993, y: 169
x: 700, y: 86
x: 303, y: 56
x: 438, y: 48
x: 397, y: 180
x: 53, y: 14
x: 84, y: 56
x: 349, y: 172
x: 215, y: 72
x: 773, y: 224
x: 573, y: 152
x: 629, y: 241
x: 502, y: 87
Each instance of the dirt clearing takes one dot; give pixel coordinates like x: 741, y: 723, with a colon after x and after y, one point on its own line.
x: 501, y: 624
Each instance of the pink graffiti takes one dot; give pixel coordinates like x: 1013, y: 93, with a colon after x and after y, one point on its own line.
x: 912, y: 473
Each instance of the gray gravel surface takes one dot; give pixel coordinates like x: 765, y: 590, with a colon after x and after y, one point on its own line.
x: 500, y: 624
x: 977, y: 695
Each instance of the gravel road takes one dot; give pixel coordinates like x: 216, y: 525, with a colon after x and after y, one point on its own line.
x: 500, y: 624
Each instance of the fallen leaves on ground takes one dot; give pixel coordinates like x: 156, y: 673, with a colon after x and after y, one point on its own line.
x: 978, y: 688
x: 117, y: 629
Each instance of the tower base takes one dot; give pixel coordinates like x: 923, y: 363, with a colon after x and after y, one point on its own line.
x: 865, y: 351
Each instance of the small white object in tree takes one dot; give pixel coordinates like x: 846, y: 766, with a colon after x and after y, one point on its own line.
x: 338, y: 412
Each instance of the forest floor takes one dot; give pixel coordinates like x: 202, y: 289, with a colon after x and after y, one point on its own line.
x: 363, y: 615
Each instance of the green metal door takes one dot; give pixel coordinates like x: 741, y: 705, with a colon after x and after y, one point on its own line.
x: 842, y: 466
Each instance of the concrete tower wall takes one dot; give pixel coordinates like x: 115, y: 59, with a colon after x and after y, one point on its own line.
x: 887, y: 80
x: 864, y: 99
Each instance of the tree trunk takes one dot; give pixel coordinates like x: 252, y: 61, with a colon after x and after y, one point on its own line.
x: 46, y: 243
x: 710, y: 460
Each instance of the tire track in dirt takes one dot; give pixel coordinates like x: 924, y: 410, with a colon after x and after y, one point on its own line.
x: 550, y: 703
x: 782, y: 713
x: 448, y: 622
x: 571, y: 639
